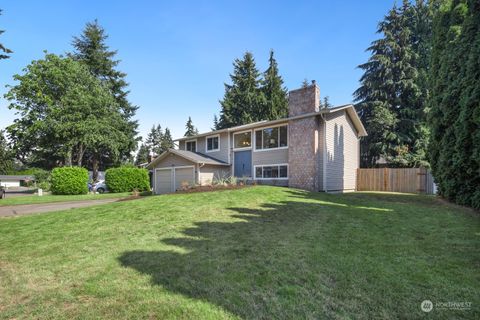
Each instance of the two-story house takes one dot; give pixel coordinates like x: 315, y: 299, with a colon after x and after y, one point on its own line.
x: 313, y: 149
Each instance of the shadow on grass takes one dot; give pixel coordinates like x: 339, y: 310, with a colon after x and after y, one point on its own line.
x: 302, y: 258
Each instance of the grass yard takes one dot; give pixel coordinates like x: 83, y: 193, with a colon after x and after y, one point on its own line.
x: 259, y: 252
x: 33, y: 199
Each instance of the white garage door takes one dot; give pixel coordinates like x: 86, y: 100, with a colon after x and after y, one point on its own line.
x: 171, y: 179
x: 163, y: 181
x: 184, y: 176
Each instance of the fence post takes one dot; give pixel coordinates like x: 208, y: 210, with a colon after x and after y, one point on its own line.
x: 385, y: 179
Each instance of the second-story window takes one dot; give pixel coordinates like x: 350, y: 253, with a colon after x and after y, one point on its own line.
x: 271, y: 138
x: 213, y: 143
x: 191, y: 146
x: 242, y: 140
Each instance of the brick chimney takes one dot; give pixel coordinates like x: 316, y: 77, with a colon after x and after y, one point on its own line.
x: 304, y: 100
x: 303, y: 138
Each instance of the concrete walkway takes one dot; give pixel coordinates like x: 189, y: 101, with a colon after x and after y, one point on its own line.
x: 24, y: 209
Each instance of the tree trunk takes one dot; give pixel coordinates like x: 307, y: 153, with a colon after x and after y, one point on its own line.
x: 81, y: 152
x: 68, y: 157
x: 94, y: 167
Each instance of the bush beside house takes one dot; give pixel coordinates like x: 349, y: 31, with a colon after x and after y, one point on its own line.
x: 127, y: 179
x: 69, y: 180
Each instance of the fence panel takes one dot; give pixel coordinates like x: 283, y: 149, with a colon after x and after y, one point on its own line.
x: 410, y: 180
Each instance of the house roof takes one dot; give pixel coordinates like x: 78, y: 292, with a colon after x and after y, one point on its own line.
x: 189, y: 155
x: 349, y: 108
x: 15, y: 177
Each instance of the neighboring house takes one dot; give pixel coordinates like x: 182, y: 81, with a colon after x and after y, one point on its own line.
x: 9, y: 181
x: 313, y: 149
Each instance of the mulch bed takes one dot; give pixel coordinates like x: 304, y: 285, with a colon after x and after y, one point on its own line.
x: 191, y: 190
x: 212, y: 188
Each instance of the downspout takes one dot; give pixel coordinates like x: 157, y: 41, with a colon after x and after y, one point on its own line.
x: 200, y: 165
x: 324, y: 153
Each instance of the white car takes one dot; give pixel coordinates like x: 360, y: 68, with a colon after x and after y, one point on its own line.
x: 100, y: 186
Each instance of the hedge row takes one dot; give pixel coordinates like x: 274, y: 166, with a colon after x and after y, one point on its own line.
x: 69, y: 180
x: 127, y: 179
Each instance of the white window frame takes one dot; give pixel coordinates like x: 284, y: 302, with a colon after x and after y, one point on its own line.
x: 254, y: 138
x: 245, y: 148
x: 206, y: 143
x: 271, y: 165
x: 191, y: 140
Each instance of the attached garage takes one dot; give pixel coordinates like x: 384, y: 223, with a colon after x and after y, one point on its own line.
x: 175, y: 169
x: 174, y: 178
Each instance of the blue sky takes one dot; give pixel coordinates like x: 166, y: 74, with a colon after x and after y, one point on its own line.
x: 178, y: 54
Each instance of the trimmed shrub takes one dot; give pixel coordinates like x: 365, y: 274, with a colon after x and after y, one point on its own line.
x: 127, y: 179
x: 69, y: 180
x: 45, y: 185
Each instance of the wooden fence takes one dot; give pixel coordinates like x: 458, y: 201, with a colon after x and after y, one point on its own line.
x: 411, y: 180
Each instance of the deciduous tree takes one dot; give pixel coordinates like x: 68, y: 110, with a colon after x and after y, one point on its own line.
x: 63, y: 110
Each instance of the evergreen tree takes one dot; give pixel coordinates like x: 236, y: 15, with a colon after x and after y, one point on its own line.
x: 390, y: 100
x: 154, y: 140
x: 326, y: 103
x: 6, y: 155
x: 305, y: 83
x: 215, y: 122
x: 191, y: 130
x: 167, y: 140
x: 5, y: 51
x: 276, y: 95
x: 243, y: 98
x: 91, y: 49
x: 454, y: 118
x: 143, y: 155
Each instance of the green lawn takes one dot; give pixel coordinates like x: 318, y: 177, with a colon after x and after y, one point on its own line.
x: 9, y: 201
x: 259, y: 252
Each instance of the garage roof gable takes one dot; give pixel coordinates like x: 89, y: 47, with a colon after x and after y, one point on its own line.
x: 191, y: 156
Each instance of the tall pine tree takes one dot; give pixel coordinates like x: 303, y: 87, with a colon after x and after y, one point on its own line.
x: 190, y: 128
x: 390, y: 100
x: 92, y: 50
x: 243, y: 98
x: 143, y: 155
x: 167, y: 141
x: 276, y: 95
x: 3, y: 49
x: 215, y: 123
x: 154, y: 140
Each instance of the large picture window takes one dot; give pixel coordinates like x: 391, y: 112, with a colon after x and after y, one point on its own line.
x: 213, y: 143
x: 271, y: 138
x: 242, y: 140
x: 191, y: 145
x: 271, y: 172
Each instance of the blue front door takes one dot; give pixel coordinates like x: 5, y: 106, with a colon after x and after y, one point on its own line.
x: 243, y: 164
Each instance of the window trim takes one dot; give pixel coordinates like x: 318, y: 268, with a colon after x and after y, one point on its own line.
x: 271, y: 165
x: 191, y: 140
x: 206, y: 143
x: 268, y: 127
x: 245, y: 148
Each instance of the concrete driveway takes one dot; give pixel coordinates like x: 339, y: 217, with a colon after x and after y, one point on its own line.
x: 24, y: 209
